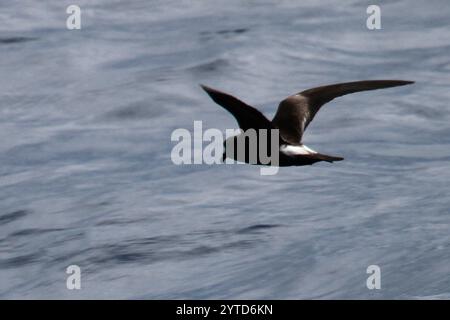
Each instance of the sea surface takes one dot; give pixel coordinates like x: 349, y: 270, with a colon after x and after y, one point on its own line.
x: 86, y: 176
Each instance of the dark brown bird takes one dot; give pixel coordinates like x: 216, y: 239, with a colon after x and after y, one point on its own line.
x: 293, y: 116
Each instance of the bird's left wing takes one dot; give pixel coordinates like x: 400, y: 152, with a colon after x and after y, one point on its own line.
x: 247, y: 116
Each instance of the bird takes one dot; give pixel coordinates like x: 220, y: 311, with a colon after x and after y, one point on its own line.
x: 293, y: 116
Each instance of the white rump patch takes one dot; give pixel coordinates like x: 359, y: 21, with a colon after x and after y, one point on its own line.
x: 296, y: 150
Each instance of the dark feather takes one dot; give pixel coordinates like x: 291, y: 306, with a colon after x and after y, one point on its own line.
x: 247, y: 116
x: 296, y: 112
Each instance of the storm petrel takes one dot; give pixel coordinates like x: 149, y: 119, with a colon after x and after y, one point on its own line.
x: 293, y: 116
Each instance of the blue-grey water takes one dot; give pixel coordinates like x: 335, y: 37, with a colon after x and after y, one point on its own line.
x: 86, y: 176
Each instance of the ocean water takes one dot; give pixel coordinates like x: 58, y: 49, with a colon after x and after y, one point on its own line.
x: 86, y: 176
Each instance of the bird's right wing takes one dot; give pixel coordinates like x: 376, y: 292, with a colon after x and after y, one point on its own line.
x: 296, y: 112
x: 247, y: 116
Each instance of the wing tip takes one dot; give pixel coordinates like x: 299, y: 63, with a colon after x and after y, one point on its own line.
x: 210, y: 91
x: 403, y: 82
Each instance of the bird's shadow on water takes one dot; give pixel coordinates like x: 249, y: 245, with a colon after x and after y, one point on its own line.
x: 14, y: 40
x: 257, y: 228
x: 223, y: 32
x: 176, y: 248
x: 12, y: 216
x: 142, y: 251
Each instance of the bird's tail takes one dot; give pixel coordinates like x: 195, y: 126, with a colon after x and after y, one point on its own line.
x: 327, y: 158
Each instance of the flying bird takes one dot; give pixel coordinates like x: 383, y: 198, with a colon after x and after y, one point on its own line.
x: 293, y: 116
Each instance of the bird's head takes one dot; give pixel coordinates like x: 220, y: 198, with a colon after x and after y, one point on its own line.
x: 231, y: 141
